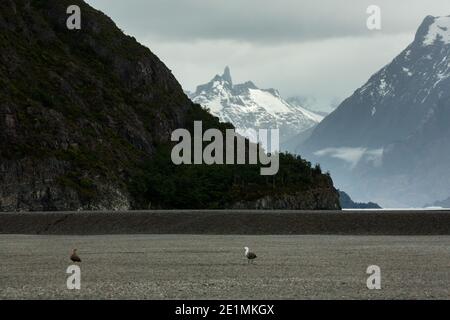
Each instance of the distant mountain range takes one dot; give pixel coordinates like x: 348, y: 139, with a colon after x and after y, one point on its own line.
x: 439, y: 204
x: 248, y: 107
x: 390, y: 140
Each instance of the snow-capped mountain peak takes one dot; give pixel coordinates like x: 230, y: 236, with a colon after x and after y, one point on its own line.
x: 390, y: 139
x: 248, y: 107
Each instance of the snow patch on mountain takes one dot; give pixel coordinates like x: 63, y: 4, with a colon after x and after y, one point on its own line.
x: 438, y: 30
x: 272, y: 104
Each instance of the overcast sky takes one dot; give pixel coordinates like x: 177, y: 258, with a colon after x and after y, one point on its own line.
x: 320, y: 48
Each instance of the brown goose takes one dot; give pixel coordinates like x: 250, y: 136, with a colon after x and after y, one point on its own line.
x: 74, y: 256
x: 250, y: 255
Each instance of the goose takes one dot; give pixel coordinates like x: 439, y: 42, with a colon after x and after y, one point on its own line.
x: 74, y: 256
x: 249, y: 255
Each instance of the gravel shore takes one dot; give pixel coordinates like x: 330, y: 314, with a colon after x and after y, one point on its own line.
x: 213, y: 267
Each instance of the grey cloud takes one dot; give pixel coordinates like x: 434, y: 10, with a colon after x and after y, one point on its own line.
x: 320, y: 49
x: 263, y: 20
x: 327, y: 69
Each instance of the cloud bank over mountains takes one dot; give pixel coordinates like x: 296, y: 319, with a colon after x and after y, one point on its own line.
x: 299, y: 47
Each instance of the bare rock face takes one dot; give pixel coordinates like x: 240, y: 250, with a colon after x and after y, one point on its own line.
x: 79, y: 110
x: 48, y: 191
x: 321, y: 198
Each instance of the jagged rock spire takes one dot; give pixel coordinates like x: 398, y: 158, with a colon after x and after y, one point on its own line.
x: 227, y: 75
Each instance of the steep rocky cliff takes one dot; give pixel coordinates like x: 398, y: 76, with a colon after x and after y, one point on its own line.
x: 81, y: 111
